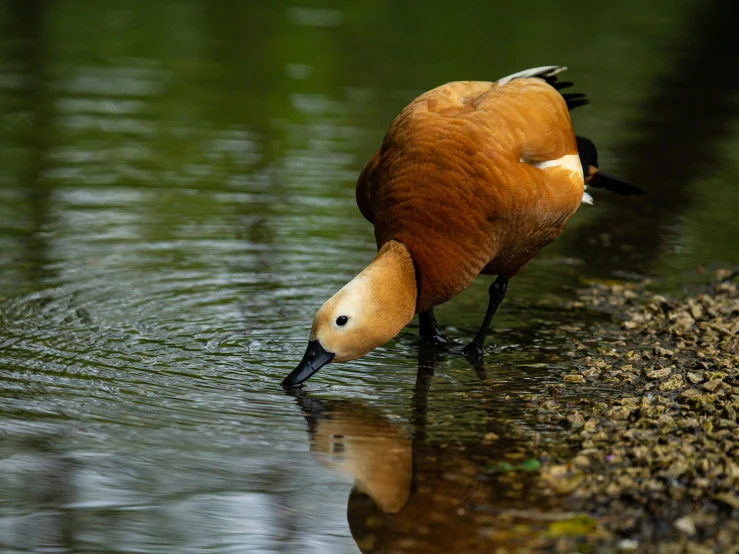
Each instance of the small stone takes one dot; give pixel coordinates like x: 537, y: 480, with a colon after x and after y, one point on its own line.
x: 576, y: 420
x: 549, y: 406
x: 673, y: 383
x: 685, y: 525
x: 613, y: 490
x: 689, y: 393
x: 688, y: 423
x: 729, y: 499
x: 678, y: 468
x: 574, y: 378
x: 490, y: 437
x: 590, y: 425
x: 694, y: 377
x: 711, y: 386
x: 711, y: 375
x: 723, y: 274
x: 663, y: 352
x: 628, y: 545
x: 562, y: 478
x: 619, y: 413
x: 659, y: 373
x: 581, y: 460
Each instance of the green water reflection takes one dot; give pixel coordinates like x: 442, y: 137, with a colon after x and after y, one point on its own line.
x: 176, y: 200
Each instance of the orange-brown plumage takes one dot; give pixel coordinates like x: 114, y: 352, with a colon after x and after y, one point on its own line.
x: 455, y: 181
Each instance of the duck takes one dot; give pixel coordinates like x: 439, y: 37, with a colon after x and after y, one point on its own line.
x: 472, y: 177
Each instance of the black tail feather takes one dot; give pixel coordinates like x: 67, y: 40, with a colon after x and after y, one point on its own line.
x: 588, y: 153
x: 573, y: 100
x: 589, y: 159
x: 573, y: 96
x: 559, y: 85
x: 614, y: 184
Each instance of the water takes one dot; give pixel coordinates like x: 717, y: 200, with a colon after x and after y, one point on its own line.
x: 176, y: 200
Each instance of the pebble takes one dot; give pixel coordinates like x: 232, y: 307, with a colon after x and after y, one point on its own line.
x: 661, y: 373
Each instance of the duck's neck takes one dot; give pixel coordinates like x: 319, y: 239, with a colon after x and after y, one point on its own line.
x: 392, y: 277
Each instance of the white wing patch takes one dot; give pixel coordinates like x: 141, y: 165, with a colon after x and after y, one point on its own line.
x: 570, y: 162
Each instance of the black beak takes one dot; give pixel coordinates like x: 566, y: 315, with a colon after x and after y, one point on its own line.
x: 315, y: 358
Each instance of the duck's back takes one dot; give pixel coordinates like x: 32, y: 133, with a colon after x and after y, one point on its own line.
x: 472, y: 177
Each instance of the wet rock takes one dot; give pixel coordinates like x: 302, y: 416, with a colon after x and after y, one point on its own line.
x: 562, y: 478
x: 619, y: 413
x: 711, y: 386
x: 675, y: 382
x: 549, y: 406
x: 490, y: 437
x: 694, y: 377
x: 628, y: 545
x: 576, y: 420
x: 728, y: 498
x: 659, y: 373
x: 685, y: 525
x: 689, y: 394
x: 581, y: 460
x: 663, y: 352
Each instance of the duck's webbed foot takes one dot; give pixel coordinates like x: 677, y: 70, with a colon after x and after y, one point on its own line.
x: 473, y: 351
x: 429, y: 329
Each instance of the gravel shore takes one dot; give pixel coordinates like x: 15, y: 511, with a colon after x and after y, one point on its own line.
x: 658, y: 465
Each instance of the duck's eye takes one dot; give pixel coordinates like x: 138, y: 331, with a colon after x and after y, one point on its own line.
x: 341, y: 320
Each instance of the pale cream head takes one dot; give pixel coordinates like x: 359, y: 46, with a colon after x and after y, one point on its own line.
x: 371, y: 309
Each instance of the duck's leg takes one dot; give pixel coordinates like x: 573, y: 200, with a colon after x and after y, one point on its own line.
x: 429, y: 329
x: 473, y: 351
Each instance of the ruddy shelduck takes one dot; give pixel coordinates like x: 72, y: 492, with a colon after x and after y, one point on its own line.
x: 472, y: 177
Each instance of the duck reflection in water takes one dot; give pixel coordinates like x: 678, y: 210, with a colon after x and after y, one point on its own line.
x: 416, y: 495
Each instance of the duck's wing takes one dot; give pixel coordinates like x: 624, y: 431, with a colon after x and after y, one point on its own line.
x: 366, y: 188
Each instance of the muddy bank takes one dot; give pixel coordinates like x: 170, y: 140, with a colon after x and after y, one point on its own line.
x: 658, y: 465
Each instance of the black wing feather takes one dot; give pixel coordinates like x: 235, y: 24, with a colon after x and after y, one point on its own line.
x: 572, y: 99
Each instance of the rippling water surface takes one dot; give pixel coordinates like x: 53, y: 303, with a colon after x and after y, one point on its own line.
x: 176, y: 200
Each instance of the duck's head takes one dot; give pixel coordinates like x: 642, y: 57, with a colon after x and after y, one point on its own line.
x: 366, y: 313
